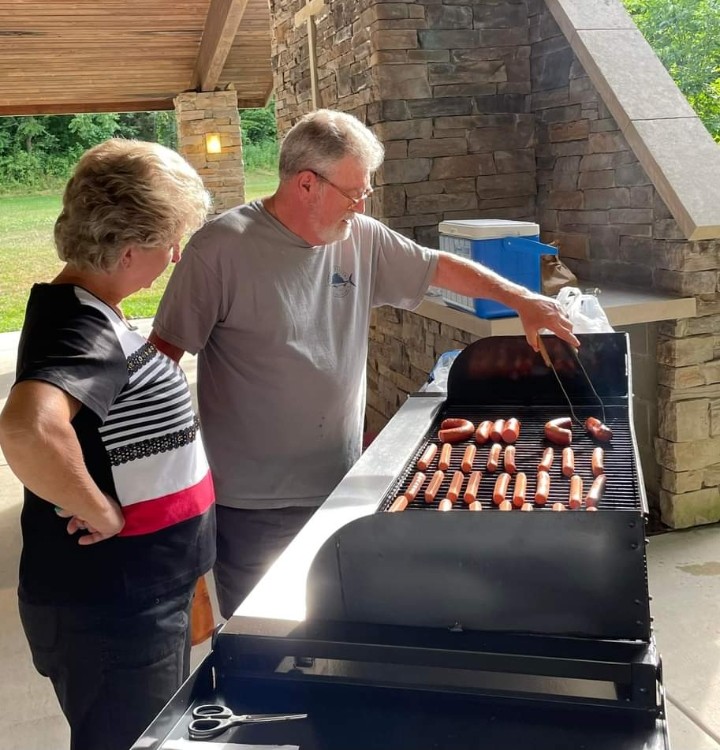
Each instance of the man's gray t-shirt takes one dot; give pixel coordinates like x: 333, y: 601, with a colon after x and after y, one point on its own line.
x: 281, y: 328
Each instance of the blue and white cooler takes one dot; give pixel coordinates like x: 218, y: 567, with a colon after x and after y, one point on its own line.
x: 510, y: 248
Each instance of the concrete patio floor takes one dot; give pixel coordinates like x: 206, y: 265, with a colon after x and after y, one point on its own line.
x: 683, y: 568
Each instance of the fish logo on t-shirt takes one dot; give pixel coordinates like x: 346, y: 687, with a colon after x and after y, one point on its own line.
x: 341, y: 283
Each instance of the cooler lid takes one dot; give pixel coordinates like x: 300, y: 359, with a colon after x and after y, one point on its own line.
x: 486, y: 229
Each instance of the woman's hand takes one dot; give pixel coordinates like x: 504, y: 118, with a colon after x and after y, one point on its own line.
x: 110, y: 526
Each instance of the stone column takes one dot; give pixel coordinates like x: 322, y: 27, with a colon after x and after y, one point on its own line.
x: 213, y: 112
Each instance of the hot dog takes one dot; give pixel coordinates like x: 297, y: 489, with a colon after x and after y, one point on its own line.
x: 509, y: 459
x: 432, y: 488
x: 576, y: 490
x: 568, y: 462
x: 511, y: 431
x: 501, y: 487
x: 445, y: 456
x: 472, y: 487
x: 456, y: 484
x: 482, y: 434
x: 505, y: 505
x: 475, y: 505
x: 414, y: 486
x: 547, y: 460
x: 497, y: 429
x: 427, y: 457
x: 527, y: 506
x: 558, y: 431
x: 399, y: 504
x: 445, y: 504
x: 558, y: 506
x: 494, y: 457
x: 520, y: 489
x: 454, y: 430
x: 596, y: 491
x: 597, y: 429
x: 542, y: 489
x: 468, y: 458
x: 598, y: 462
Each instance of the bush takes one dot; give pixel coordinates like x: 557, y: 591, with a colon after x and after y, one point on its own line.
x: 263, y: 155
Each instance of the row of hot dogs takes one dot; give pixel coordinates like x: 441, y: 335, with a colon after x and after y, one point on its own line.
x: 454, y: 430
x: 559, y: 431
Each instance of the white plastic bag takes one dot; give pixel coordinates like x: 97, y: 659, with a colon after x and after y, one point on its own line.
x: 584, y: 311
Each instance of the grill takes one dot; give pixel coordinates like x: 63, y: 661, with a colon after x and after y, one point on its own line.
x: 459, y: 629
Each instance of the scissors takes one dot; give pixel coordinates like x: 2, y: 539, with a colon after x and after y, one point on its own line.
x: 210, y: 720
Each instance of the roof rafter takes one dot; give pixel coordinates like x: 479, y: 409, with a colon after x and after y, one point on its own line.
x: 221, y: 26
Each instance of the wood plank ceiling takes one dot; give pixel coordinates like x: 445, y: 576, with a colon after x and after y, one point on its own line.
x: 70, y: 56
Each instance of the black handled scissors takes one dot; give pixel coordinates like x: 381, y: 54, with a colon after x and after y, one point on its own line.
x: 210, y: 720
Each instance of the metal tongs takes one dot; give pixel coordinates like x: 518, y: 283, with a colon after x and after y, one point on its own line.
x: 549, y: 364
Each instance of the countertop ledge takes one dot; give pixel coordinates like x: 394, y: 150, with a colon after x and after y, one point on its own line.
x: 623, y: 306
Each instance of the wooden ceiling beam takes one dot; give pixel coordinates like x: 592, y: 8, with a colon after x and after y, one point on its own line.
x: 221, y: 26
x: 73, y: 108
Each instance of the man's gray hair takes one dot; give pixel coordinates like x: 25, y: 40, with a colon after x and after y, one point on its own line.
x: 322, y: 138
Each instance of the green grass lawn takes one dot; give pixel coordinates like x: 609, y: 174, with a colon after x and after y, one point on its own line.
x: 27, y: 252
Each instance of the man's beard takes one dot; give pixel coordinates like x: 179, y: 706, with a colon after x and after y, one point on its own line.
x: 335, y: 233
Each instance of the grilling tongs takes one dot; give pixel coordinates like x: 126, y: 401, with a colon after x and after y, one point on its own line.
x: 548, y: 362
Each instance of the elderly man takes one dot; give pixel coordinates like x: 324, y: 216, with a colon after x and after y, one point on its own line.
x: 275, y: 296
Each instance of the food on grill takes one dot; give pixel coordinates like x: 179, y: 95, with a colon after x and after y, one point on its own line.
x: 511, y: 431
x: 432, y: 489
x: 399, y: 504
x: 547, y: 460
x: 445, y: 504
x: 527, y: 506
x: 509, y: 459
x: 414, y: 487
x: 468, y: 458
x: 599, y: 430
x: 558, y: 431
x: 482, y: 434
x: 496, y: 432
x: 519, y: 490
x: 595, y: 492
x: 427, y: 457
x: 590, y: 507
x: 505, y: 505
x: 501, y: 487
x: 494, y: 457
x: 454, y: 430
x: 576, y: 491
x: 472, y: 488
x: 475, y: 505
x: 558, y: 506
x: 445, y: 456
x: 598, y: 462
x: 568, y: 462
x: 542, y: 489
x: 456, y: 484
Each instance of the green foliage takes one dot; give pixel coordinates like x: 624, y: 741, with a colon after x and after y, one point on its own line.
x: 685, y: 35
x: 259, y: 125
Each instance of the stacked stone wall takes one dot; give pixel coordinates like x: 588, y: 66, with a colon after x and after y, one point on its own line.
x: 223, y: 174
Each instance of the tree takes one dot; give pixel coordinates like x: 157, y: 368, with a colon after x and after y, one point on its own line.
x: 685, y: 35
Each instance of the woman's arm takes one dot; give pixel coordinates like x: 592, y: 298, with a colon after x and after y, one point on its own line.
x: 41, y: 448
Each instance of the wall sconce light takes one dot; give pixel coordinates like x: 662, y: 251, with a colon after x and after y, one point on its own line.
x: 212, y: 143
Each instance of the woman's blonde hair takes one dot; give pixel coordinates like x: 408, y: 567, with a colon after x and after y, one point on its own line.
x: 126, y: 192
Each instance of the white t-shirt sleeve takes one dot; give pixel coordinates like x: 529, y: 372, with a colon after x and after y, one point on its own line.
x: 192, y: 303
x: 404, y: 269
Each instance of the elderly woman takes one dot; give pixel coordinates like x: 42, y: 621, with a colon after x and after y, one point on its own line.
x: 99, y: 427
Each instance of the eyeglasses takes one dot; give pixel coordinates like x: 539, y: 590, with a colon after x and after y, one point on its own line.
x: 353, y: 201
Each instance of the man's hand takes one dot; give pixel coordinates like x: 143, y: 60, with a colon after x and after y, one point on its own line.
x: 111, y: 524
x: 536, y: 312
